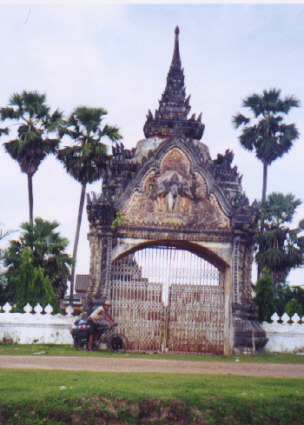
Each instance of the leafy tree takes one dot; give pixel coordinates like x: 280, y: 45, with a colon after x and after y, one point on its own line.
x: 298, y: 294
x: 264, y: 297
x: 267, y: 135
x: 32, y: 286
x: 32, y: 143
x: 283, y: 294
x: 293, y: 307
x: 86, y: 160
x: 3, y: 281
x: 280, y: 248
x: 48, y: 252
x: 3, y: 284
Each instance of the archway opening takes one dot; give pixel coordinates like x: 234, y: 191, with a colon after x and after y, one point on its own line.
x: 168, y: 299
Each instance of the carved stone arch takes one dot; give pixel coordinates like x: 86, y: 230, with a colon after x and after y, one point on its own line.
x: 217, y: 259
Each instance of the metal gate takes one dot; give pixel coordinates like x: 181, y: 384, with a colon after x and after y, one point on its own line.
x: 168, y: 299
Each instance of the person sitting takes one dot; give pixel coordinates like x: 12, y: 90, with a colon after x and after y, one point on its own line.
x: 99, y: 318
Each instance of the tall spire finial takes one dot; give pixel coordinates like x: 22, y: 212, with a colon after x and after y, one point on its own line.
x: 176, y: 57
x: 174, y: 106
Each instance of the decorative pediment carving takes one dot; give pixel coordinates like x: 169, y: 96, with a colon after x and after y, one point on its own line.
x: 173, y: 196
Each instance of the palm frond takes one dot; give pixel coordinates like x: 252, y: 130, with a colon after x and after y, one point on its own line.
x: 248, y: 138
x: 4, y: 131
x: 272, y: 138
x: 86, y: 160
x: 9, y: 114
x: 34, y: 102
x: 239, y: 120
x: 255, y: 103
x: 31, y: 146
x: 16, y: 100
x: 288, y: 103
x: 53, y: 121
x: 88, y: 118
x: 50, y: 146
x: 279, y: 208
x: 111, y: 132
x: 270, y: 103
x: 12, y: 148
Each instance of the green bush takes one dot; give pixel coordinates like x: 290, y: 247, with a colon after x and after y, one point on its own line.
x: 32, y: 286
x: 293, y: 307
x: 265, y: 296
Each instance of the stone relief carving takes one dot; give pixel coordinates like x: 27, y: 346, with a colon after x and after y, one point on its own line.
x: 174, y: 196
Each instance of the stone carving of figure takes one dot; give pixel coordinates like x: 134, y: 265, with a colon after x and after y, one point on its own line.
x: 172, y: 187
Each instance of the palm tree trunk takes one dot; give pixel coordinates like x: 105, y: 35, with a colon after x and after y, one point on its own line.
x: 265, y: 169
x: 30, y: 196
x: 80, y: 211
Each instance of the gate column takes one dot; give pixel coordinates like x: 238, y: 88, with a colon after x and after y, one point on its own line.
x: 249, y: 336
x: 101, y: 216
x: 228, y: 328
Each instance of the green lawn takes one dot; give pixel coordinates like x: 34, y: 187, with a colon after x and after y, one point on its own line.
x: 86, y: 398
x: 57, y: 397
x: 66, y: 350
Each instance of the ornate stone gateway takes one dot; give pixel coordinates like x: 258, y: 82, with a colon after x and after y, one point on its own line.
x: 171, y: 237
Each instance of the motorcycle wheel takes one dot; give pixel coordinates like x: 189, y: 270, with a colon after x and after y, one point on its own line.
x: 117, y: 343
x: 80, y: 345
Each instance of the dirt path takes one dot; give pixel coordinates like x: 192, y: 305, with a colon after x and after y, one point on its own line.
x: 151, y: 365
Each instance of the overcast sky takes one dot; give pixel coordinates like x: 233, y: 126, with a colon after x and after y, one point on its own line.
x: 117, y: 57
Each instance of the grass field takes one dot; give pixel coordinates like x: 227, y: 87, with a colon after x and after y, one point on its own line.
x: 49, y: 397
x: 66, y: 350
x: 32, y: 397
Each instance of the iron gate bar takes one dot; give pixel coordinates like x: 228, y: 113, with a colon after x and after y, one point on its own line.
x: 166, y: 298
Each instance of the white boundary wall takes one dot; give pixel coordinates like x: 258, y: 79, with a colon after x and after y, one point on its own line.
x: 284, y: 337
x: 41, y: 326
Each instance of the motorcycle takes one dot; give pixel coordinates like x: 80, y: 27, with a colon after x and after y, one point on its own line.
x: 113, y: 341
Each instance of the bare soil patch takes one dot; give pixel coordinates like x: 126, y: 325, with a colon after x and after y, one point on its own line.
x: 124, y: 364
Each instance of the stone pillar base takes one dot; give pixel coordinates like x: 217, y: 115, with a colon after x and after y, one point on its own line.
x: 249, y: 336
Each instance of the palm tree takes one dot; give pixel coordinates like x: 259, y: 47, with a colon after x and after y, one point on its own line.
x: 86, y: 160
x: 31, y: 145
x: 48, y: 252
x: 280, y: 248
x: 268, y: 136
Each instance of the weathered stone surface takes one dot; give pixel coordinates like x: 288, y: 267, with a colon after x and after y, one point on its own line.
x: 174, y: 106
